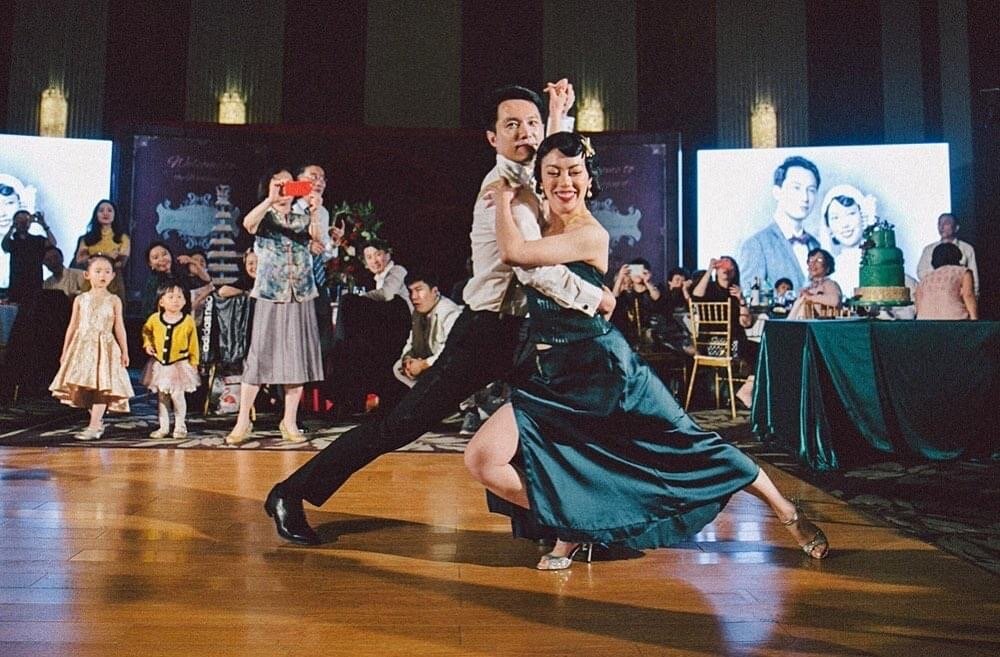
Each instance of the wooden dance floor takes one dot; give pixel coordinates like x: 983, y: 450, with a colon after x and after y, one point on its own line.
x: 167, y: 552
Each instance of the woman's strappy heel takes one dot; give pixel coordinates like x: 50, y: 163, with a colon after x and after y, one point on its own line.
x: 552, y: 562
x: 801, y: 523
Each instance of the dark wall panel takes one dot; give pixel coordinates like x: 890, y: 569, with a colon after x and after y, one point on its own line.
x: 324, y: 63
x: 984, y: 74
x: 145, y: 63
x: 930, y: 57
x: 675, y: 65
x: 501, y: 44
x: 845, y: 72
x: 6, y: 52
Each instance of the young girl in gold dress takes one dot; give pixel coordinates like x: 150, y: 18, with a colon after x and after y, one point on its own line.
x: 92, y: 370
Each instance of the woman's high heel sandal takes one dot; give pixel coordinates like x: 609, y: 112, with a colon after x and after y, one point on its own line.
x: 238, y: 438
x: 803, y: 525
x: 291, y: 435
x: 552, y: 562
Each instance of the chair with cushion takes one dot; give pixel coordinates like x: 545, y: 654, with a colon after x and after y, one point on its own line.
x: 713, y: 342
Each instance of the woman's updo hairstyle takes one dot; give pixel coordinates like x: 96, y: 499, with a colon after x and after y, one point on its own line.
x: 570, y: 144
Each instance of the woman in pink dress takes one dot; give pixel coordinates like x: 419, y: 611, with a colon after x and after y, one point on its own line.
x: 947, y: 291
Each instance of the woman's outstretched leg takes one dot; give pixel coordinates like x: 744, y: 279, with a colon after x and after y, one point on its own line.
x: 489, y: 454
x: 809, y: 537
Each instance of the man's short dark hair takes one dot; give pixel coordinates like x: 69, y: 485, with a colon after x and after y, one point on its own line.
x: 305, y: 164
x: 677, y: 271
x: 510, y: 92
x: 794, y: 161
x: 418, y: 276
x: 786, y: 281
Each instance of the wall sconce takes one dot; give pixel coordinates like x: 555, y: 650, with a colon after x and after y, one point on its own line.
x: 53, y: 110
x: 232, y: 109
x: 764, y: 126
x: 590, y: 115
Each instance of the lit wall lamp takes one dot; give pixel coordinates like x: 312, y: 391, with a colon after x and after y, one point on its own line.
x: 764, y: 126
x: 53, y: 110
x: 590, y: 115
x: 232, y: 109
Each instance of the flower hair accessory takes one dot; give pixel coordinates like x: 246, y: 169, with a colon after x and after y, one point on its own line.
x: 588, y: 149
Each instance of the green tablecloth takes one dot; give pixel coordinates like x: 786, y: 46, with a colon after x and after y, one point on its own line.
x: 842, y: 392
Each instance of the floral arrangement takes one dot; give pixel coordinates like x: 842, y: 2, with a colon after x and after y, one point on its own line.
x: 360, y: 225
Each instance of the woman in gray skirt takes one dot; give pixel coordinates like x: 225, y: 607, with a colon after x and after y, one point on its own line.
x: 284, y: 344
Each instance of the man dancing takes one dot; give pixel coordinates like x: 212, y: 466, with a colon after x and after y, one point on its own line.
x: 484, y: 340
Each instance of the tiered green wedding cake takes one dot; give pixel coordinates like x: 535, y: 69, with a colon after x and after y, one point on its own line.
x: 881, y: 276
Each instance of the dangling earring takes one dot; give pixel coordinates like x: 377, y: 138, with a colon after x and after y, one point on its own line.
x: 590, y: 193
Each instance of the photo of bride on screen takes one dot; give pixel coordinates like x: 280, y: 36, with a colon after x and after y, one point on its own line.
x: 771, y: 206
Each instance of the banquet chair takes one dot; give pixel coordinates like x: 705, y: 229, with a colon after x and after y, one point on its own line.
x: 713, y: 342
x: 670, y: 365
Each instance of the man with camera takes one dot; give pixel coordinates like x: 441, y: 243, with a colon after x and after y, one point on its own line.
x: 26, y: 254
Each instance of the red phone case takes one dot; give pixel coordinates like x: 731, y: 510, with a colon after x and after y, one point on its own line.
x: 296, y: 188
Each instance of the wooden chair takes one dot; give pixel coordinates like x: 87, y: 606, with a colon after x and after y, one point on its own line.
x: 664, y: 363
x: 713, y: 343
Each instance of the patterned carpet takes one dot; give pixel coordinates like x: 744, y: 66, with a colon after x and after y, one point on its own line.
x: 952, y: 505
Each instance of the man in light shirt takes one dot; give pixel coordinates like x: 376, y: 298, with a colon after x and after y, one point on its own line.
x: 482, y: 345
x: 780, y: 249
x: 68, y: 281
x: 948, y: 230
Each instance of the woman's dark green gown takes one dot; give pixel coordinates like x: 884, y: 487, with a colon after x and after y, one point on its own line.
x: 608, y: 454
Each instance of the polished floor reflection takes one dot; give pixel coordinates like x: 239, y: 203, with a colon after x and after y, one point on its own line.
x: 167, y: 552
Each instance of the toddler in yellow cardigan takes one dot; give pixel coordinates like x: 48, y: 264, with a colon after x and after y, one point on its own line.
x: 170, y: 337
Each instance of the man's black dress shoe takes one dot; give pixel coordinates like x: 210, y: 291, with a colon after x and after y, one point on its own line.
x: 289, y: 517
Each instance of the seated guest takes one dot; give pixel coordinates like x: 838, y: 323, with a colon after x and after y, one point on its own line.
x: 433, y: 317
x: 678, y: 290
x: 948, y: 290
x: 784, y: 293
x: 821, y: 291
x: 370, y: 333
x: 726, y: 287
x: 26, y: 254
x: 640, y: 302
x: 70, y: 282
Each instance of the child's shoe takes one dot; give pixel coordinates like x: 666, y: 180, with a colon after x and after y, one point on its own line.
x: 180, y: 431
x: 90, y: 433
x: 162, y: 432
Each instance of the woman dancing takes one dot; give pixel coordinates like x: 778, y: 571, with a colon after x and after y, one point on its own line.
x: 605, y: 453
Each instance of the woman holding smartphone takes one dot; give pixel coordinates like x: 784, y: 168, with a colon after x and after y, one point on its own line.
x: 641, y: 304
x: 284, y: 342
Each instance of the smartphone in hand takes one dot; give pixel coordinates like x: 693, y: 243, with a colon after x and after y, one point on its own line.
x: 296, y: 188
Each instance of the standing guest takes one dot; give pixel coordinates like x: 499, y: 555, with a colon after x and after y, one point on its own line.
x: 170, y: 338
x: 822, y: 290
x: 593, y: 446
x: 70, y: 282
x: 106, y: 235
x: 164, y: 269
x: 27, y: 252
x: 433, y: 318
x: 485, y: 338
x: 947, y: 291
x: 92, y: 369
x: 322, y: 250
x: 244, y: 280
x: 948, y: 230
x: 284, y: 342
x: 780, y: 249
x: 198, y: 281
